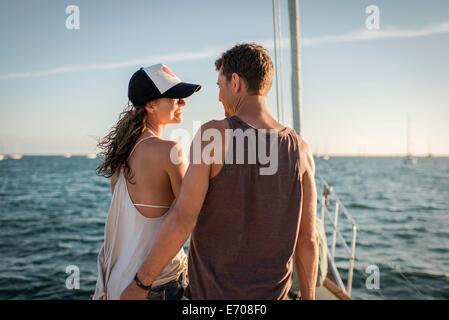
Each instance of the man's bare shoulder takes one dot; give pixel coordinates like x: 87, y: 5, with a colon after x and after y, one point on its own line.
x: 209, y: 129
x: 220, y: 125
x: 303, y: 145
x: 306, y: 158
x: 213, y: 130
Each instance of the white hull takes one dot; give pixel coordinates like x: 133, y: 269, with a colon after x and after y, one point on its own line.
x: 15, y: 156
x: 330, y: 291
x: 91, y: 156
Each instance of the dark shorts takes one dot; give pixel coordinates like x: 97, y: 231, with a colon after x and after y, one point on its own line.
x: 173, y: 290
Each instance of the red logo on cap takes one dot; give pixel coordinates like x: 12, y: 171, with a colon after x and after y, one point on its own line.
x: 167, y: 70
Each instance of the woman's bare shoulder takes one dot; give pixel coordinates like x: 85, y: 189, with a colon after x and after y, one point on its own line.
x: 162, y: 150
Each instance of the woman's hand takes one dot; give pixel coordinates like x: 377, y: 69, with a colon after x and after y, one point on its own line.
x: 133, y: 292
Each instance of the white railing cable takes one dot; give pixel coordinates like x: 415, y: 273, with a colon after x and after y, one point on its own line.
x: 352, y: 259
x: 325, y: 197
x: 337, y: 199
x: 334, y: 235
x: 337, y: 231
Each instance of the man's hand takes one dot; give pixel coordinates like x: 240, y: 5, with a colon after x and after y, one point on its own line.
x: 133, y: 292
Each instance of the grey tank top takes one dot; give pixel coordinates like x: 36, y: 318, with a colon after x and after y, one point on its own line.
x: 243, y: 243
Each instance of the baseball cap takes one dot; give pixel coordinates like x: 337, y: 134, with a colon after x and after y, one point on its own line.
x: 157, y: 81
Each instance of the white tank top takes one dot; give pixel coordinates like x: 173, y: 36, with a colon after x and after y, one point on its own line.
x: 128, y: 239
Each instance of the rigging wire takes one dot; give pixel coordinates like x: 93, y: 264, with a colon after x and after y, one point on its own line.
x: 281, y: 87
x: 335, y: 197
x: 409, y: 282
x: 276, y: 60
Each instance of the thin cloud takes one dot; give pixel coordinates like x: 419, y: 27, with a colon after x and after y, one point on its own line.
x: 181, y: 56
x: 389, y: 32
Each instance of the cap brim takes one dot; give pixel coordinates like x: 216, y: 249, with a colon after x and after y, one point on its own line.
x: 181, y: 90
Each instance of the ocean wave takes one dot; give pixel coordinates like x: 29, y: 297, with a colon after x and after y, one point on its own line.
x: 442, y: 234
x: 395, y: 219
x: 362, y: 206
x: 425, y: 208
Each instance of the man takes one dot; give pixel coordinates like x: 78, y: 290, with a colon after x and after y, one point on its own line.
x: 247, y: 228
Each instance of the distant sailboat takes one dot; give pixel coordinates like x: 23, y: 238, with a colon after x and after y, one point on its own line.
x: 409, y: 158
x: 326, y: 155
x: 68, y: 155
x: 2, y: 157
x: 91, y: 156
x: 15, y: 156
x: 429, y: 155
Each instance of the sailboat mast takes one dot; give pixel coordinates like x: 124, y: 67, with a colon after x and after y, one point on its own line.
x: 293, y: 9
x: 276, y: 61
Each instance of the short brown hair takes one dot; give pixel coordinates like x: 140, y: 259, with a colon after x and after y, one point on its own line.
x: 251, y: 62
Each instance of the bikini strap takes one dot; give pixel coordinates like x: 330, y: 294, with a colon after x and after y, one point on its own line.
x: 150, y: 206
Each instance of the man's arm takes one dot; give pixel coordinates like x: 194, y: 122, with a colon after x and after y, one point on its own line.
x: 306, y: 252
x: 177, y: 228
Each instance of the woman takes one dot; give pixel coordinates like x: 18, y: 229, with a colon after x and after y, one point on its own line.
x: 144, y: 182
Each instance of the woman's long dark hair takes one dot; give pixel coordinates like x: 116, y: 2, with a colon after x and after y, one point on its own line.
x: 118, y: 143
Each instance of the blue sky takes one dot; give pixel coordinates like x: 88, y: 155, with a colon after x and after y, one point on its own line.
x: 60, y: 88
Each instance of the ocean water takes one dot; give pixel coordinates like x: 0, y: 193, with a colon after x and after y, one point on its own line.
x: 53, y: 210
